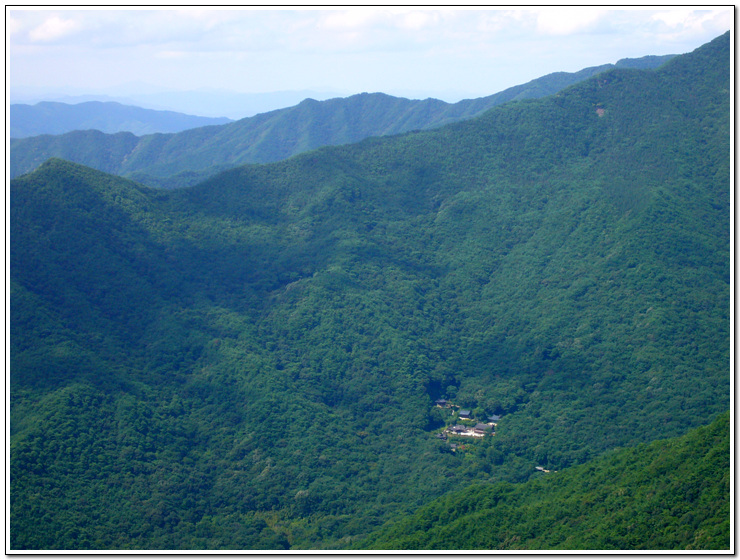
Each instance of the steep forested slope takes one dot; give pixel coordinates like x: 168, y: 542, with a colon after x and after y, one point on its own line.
x: 58, y: 118
x: 669, y: 495
x: 193, y: 155
x: 253, y: 362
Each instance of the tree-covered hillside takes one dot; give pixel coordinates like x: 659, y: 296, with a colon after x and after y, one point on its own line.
x: 253, y: 362
x: 58, y: 118
x: 669, y: 495
x: 173, y: 160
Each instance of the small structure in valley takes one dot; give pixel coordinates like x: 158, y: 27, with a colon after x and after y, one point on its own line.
x: 482, y: 429
x: 460, y: 430
x: 465, y: 416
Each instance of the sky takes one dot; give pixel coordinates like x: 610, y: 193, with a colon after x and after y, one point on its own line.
x: 415, y: 52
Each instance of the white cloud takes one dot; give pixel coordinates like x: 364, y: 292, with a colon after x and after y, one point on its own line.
x: 502, y: 21
x: 14, y: 26
x: 687, y: 22
x: 418, y: 20
x: 673, y: 18
x: 358, y: 30
x: 352, y: 20
x: 53, y: 29
x: 171, y: 55
x: 566, y: 21
x: 353, y: 49
x: 373, y: 20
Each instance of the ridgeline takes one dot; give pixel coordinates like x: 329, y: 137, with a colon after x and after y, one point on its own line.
x: 188, y: 157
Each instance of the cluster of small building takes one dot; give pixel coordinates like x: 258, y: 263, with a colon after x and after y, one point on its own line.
x: 479, y: 430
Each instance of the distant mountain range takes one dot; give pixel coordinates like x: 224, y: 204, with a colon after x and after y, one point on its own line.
x: 203, y: 102
x: 185, y: 158
x: 50, y: 117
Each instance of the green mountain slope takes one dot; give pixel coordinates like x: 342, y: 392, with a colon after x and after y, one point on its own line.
x: 58, y: 118
x: 193, y: 155
x: 668, y: 495
x: 253, y: 362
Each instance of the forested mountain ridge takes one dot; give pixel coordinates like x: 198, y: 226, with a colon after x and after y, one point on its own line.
x: 109, y: 117
x: 253, y: 362
x: 193, y: 155
x: 667, y: 495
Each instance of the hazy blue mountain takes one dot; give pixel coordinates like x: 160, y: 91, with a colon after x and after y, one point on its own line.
x: 109, y: 117
x: 205, y: 102
x: 185, y: 158
x: 235, y: 105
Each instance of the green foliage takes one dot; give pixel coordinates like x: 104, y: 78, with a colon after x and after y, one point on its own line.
x: 252, y: 362
x: 669, y: 495
x: 79, y: 146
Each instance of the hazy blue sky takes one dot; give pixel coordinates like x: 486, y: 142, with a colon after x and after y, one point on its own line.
x: 436, y: 52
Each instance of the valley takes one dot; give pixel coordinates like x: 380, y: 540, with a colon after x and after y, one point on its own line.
x: 255, y: 360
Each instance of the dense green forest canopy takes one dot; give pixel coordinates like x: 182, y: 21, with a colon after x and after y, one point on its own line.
x: 184, y: 159
x: 253, y: 362
x: 668, y: 495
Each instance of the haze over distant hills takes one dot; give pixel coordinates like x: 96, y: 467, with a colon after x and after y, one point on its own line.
x: 205, y: 102
x: 49, y: 117
x: 185, y: 158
